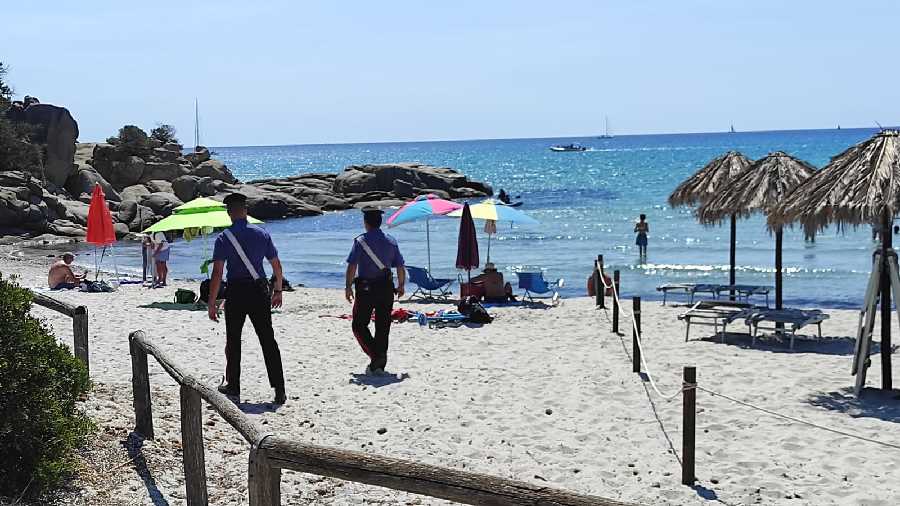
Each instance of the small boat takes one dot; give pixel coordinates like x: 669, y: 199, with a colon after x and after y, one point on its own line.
x: 568, y: 147
x: 732, y: 129
x: 606, y: 134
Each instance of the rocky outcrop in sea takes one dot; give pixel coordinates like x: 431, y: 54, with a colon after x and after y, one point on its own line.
x: 144, y: 181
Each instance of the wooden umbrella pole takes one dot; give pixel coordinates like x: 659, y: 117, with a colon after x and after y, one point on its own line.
x: 733, y: 255
x: 779, y: 288
x: 886, y: 244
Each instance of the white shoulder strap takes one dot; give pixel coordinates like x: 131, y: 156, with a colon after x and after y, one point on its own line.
x: 240, y: 252
x: 368, y: 250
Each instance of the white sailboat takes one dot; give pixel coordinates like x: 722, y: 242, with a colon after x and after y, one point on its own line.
x: 606, y: 134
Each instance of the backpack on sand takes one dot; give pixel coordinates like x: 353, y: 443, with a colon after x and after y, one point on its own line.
x: 183, y: 296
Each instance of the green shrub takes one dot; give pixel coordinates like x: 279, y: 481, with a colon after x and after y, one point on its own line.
x: 163, y: 133
x: 133, y: 139
x: 40, y: 382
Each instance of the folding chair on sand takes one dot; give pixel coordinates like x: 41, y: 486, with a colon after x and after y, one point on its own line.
x: 534, y: 283
x: 425, y: 284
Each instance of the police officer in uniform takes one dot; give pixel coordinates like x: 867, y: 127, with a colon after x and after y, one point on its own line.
x: 369, y: 281
x: 242, y: 248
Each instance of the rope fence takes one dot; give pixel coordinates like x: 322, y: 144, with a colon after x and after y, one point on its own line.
x: 689, y: 386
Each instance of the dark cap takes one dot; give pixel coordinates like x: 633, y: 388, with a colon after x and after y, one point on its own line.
x: 235, y: 200
x: 372, y: 210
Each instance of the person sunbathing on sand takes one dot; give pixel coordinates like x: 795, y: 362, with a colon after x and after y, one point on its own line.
x: 61, y: 276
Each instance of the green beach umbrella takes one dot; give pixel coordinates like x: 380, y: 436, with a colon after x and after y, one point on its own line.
x: 198, y: 213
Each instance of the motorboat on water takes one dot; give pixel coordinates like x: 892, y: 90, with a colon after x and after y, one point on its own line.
x: 568, y: 147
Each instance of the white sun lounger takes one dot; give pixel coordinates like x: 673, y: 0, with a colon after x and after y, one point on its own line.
x: 712, y: 313
x: 687, y: 288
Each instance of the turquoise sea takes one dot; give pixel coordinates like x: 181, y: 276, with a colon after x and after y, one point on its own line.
x: 586, y: 203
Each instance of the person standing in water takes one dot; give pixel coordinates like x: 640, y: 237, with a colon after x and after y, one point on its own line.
x: 642, y: 228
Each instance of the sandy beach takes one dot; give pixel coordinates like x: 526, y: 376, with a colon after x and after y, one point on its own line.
x: 541, y: 395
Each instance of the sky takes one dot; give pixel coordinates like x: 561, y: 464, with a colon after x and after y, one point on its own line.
x: 306, y: 72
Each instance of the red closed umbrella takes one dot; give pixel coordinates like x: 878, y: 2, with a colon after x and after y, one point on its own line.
x: 467, y: 247
x: 100, y: 231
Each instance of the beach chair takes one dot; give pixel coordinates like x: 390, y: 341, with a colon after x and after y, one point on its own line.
x: 795, y: 318
x: 744, y: 291
x: 713, y: 313
x: 534, y: 283
x: 425, y: 284
x: 687, y: 288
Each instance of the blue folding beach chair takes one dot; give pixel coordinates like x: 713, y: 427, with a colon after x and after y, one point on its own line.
x: 426, y: 284
x: 534, y: 283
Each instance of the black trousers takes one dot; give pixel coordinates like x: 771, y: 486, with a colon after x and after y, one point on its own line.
x: 379, y: 299
x: 249, y: 299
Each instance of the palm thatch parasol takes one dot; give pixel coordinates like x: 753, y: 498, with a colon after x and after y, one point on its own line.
x: 759, y: 189
x: 860, y: 186
x: 708, y: 182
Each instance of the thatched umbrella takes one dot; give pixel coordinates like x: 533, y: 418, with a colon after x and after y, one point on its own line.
x: 860, y: 186
x: 759, y: 189
x: 707, y: 183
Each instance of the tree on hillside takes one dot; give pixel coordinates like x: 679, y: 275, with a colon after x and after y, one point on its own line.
x: 5, y: 90
x: 131, y: 138
x: 163, y: 133
x: 16, y: 150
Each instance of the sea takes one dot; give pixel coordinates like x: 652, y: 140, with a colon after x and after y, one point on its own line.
x: 586, y: 204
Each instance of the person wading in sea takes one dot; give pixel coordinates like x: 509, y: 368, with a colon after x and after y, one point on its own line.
x: 642, y: 228
x: 242, y: 248
x: 369, y: 265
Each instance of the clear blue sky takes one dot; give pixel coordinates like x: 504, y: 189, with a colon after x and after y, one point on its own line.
x: 290, y: 72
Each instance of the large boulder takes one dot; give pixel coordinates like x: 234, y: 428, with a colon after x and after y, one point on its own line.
x: 173, y: 147
x: 84, y: 181
x: 267, y: 205
x: 134, y: 192
x: 207, y: 186
x: 161, y: 203
x: 404, y: 189
x: 355, y: 181
x: 135, y: 216
x: 59, y: 131
x: 216, y: 170
x: 76, y: 211
x: 158, y: 185
x: 166, y: 171
x: 165, y: 155
x: 186, y: 187
x: 198, y: 156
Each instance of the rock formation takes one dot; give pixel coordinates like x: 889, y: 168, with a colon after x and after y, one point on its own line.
x: 145, y: 180
x: 56, y: 130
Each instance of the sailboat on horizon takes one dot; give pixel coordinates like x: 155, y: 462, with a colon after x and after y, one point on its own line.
x: 606, y: 134
x: 732, y: 129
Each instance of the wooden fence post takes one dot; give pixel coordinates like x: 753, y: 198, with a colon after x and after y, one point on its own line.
x: 616, y: 302
x: 80, y: 333
x: 689, y: 424
x: 598, y: 283
x: 263, y: 480
x: 635, y: 331
x: 192, y: 447
x: 140, y: 384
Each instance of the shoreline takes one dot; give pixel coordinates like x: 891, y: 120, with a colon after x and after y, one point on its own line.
x: 478, y: 399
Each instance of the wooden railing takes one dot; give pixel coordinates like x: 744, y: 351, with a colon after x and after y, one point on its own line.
x: 79, y: 315
x: 269, y: 453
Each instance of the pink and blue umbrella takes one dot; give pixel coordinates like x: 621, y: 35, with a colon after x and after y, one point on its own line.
x: 423, y: 207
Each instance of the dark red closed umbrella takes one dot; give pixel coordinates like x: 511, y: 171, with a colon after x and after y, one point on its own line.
x: 100, y: 231
x: 467, y: 248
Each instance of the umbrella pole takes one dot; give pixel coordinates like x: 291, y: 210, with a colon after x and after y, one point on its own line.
x: 886, y: 244
x: 428, y: 240
x: 779, y: 288
x: 489, y: 248
x: 731, y: 277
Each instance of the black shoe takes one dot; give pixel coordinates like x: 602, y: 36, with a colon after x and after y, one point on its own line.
x: 280, y: 397
x: 229, y: 390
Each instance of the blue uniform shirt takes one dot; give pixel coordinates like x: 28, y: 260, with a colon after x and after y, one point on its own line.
x: 385, y: 248
x: 257, y: 244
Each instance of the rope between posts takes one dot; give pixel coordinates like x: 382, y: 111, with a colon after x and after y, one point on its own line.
x: 797, y: 420
x: 644, y: 364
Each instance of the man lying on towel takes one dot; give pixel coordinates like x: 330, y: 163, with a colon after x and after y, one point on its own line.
x: 61, y: 276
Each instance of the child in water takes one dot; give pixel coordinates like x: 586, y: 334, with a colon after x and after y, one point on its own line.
x: 641, y: 228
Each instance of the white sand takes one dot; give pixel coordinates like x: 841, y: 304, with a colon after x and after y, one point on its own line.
x: 477, y: 399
